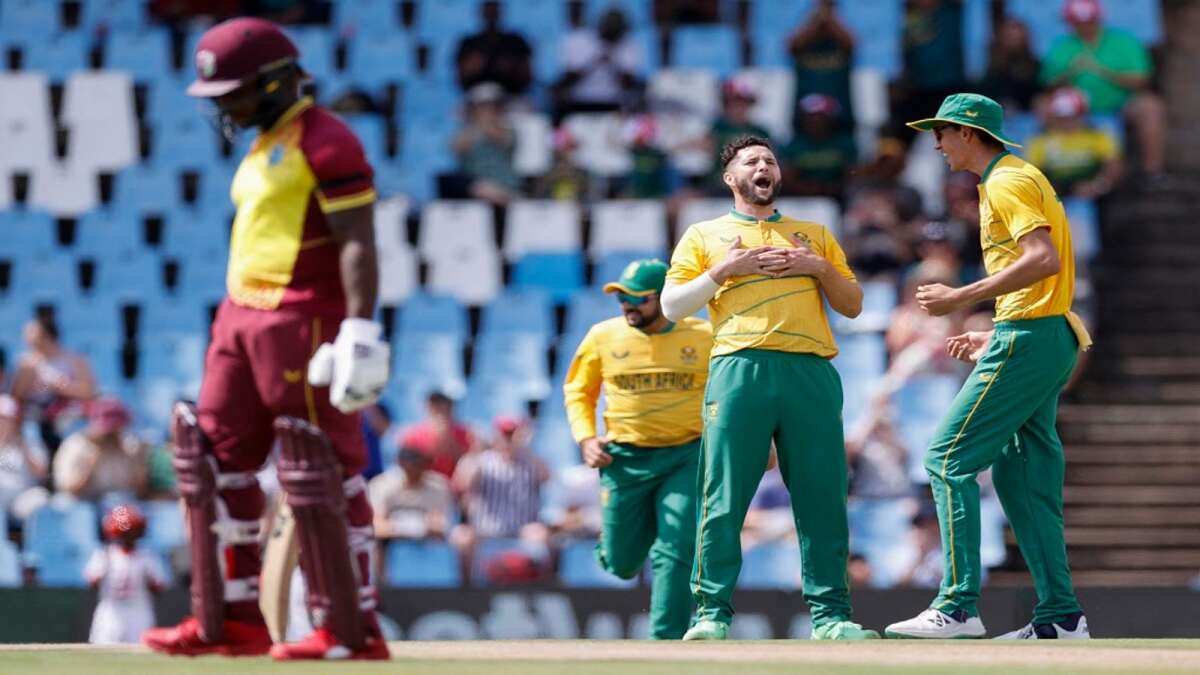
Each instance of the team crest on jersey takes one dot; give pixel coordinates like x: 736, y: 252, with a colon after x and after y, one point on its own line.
x: 206, y: 63
x: 687, y: 354
x: 291, y: 376
x: 802, y: 237
x: 620, y: 355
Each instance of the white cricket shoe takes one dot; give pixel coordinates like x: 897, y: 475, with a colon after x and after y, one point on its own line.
x: 934, y: 624
x: 1074, y: 627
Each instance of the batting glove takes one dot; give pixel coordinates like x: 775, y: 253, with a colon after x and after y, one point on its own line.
x: 354, y: 366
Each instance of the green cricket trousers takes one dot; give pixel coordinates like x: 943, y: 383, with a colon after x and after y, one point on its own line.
x: 1004, y: 418
x: 754, y: 396
x: 649, y: 506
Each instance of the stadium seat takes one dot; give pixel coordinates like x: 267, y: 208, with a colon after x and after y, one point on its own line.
x: 6, y: 195
x: 601, y: 150
x: 553, y: 441
x: 98, y: 109
x: 699, y: 210
x: 130, y: 277
x: 28, y: 232
x: 628, y: 225
x: 371, y: 131
x: 192, y: 144
x: 397, y: 274
x: 143, y: 189
x: 422, y: 564
x: 772, y: 23
x: 525, y: 311
x: 559, y: 274
x: 26, y: 133
x: 104, y: 233
x: 860, y: 355
x: 876, y: 25
x: 534, y: 147
x: 430, y: 313
x: 518, y: 359
x: 879, y: 303
x: 771, y: 565
x: 316, y: 46
x: 542, y: 23
x: 35, y: 19
x: 637, y: 12
x: 101, y: 349
x: 154, y: 397
x: 450, y: 225
x: 977, y: 37
x: 66, y: 190
x: 38, y: 275
x: 60, y: 537
x: 85, y: 318
x: 10, y: 565
x: 1142, y: 18
x: 869, y: 97
x: 172, y: 318
x: 57, y: 56
x: 433, y: 359
x: 177, y: 357
x: 168, y: 104
x: 447, y: 21
x: 164, y: 525
x: 376, y: 58
x: 144, y: 53
x: 124, y: 15
x: 694, y: 91
x: 199, y: 277
x: 578, y: 568
x: 200, y: 236
x: 1085, y: 227
x: 485, y: 400
x: 878, y: 530
x: 473, y: 275
x: 361, y: 18
x: 776, y: 92
x: 567, y: 344
x: 716, y: 48
x: 391, y: 223
x: 542, y: 226
x: 587, y: 308
x: 215, y: 181
x: 920, y: 404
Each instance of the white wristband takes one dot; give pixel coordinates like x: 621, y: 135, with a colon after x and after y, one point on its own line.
x: 360, y: 330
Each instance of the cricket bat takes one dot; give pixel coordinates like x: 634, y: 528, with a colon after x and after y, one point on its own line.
x: 280, y: 558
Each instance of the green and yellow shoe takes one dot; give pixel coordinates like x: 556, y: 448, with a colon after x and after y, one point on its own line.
x: 843, y: 630
x: 707, y: 630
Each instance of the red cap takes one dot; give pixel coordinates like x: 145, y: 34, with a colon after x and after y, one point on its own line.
x: 739, y: 87
x: 507, y: 424
x: 234, y: 51
x: 1068, y: 102
x: 1082, y: 11
x: 106, y: 415
x: 124, y: 519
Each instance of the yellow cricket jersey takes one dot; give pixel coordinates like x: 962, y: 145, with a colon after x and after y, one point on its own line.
x: 653, y: 384
x: 281, y: 250
x: 1014, y: 200
x: 757, y: 311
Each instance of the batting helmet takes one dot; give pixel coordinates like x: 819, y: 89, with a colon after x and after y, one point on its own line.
x: 238, y: 51
x: 124, y: 521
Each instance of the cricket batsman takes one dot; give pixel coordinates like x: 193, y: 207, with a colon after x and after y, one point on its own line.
x: 302, y: 271
x: 766, y: 278
x: 652, y: 371
x: 1004, y: 416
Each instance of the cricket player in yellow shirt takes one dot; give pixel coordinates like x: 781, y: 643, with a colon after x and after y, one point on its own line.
x: 1004, y: 416
x: 653, y: 373
x: 766, y: 279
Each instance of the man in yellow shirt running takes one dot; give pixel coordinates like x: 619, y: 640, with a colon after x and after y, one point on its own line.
x: 653, y: 373
x: 766, y: 279
x: 1004, y: 416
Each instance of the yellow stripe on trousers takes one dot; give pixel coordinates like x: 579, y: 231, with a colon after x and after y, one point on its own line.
x: 954, y: 444
x: 308, y: 390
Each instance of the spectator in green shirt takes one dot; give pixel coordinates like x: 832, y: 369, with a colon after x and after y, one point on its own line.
x: 933, y: 58
x: 737, y: 99
x: 818, y: 159
x: 822, y: 50
x: 1113, y: 69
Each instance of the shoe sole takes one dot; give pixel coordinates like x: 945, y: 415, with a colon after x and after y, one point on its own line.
x: 891, y: 635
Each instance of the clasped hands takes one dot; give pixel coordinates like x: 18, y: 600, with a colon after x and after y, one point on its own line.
x: 772, y: 261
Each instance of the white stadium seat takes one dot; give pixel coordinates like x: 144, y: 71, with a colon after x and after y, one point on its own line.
x: 5, y: 189
x: 391, y: 218
x: 535, y: 150
x: 694, y: 91
x: 628, y: 225
x: 449, y: 227
x: 98, y: 109
x: 776, y: 92
x: 26, y: 133
x: 471, y: 275
x: 823, y: 210
x: 602, y: 149
x: 397, y: 273
x: 541, y: 226
x: 64, y: 189
x: 869, y: 96
x: 698, y: 210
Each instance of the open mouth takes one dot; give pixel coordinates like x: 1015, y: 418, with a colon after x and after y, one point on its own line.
x: 763, y: 182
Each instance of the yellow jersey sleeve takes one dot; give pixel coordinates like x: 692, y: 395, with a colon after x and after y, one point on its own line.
x: 1015, y: 201
x: 833, y: 252
x: 581, y: 390
x: 690, y: 258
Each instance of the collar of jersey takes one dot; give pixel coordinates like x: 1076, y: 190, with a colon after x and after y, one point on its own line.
x: 290, y: 114
x: 992, y: 164
x: 743, y: 216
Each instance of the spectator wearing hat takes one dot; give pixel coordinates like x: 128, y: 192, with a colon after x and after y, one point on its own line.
x: 822, y: 51
x: 50, y: 383
x: 485, y: 148
x: 818, y: 159
x: 410, y: 500
x: 440, y: 435
x: 494, y: 55
x: 600, y: 67
x: 651, y: 175
x: 565, y: 180
x: 102, y: 458
x: 738, y: 97
x: 1013, y: 69
x: 1113, y: 71
x: 1079, y: 159
x: 23, y: 466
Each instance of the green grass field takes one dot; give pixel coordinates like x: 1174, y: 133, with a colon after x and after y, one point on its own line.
x: 581, y: 657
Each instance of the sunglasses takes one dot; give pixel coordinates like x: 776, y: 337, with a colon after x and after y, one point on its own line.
x: 937, y: 131
x: 626, y: 299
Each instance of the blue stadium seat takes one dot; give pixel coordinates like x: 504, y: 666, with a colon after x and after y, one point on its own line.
x: 447, y: 21
x: 30, y: 19
x: 1142, y: 18
x: 164, y: 525
x: 878, y: 529
x: 977, y: 37
x: 1085, y: 227
x: 118, y: 14
x: 485, y: 400
x: 567, y: 345
x: 10, y: 565
x: 89, y: 317
x: 1021, y: 126
x: 525, y: 311
x: 143, y: 189
x: 179, y: 356
x: 578, y: 568
x: 172, y: 317
x: 638, y: 12
x: 105, y: 234
x: 214, y: 198
x: 61, y: 537
x: 145, y: 53
x: 371, y: 131
x: 559, y: 274
x: 879, y: 301
x: 715, y: 47
x: 103, y: 353
x: 610, y: 265
x: 516, y: 358
x: 587, y: 308
x: 42, y: 274
x: 188, y: 144
x: 57, y: 56
x: 375, y: 59
x: 876, y: 25
x: 553, y: 441
x: 202, y: 234
x: 130, y: 277
x: 200, y: 277
x: 440, y: 60
x: 772, y: 23
x: 405, y: 399
x: 427, y: 313
x: 422, y: 564
x: 431, y: 106
x: 316, y: 46
x: 433, y: 359
x: 860, y: 355
x: 428, y: 145
x: 771, y: 565
x: 362, y: 17
x: 920, y: 404
x: 536, y: 21
x: 168, y: 103
x: 27, y: 233
x: 647, y: 40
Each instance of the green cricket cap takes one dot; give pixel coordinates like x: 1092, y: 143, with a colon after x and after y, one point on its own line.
x: 969, y: 110
x: 640, y: 278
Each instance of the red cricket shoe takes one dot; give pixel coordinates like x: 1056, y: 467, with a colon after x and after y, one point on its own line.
x: 241, y: 639
x: 321, y: 644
